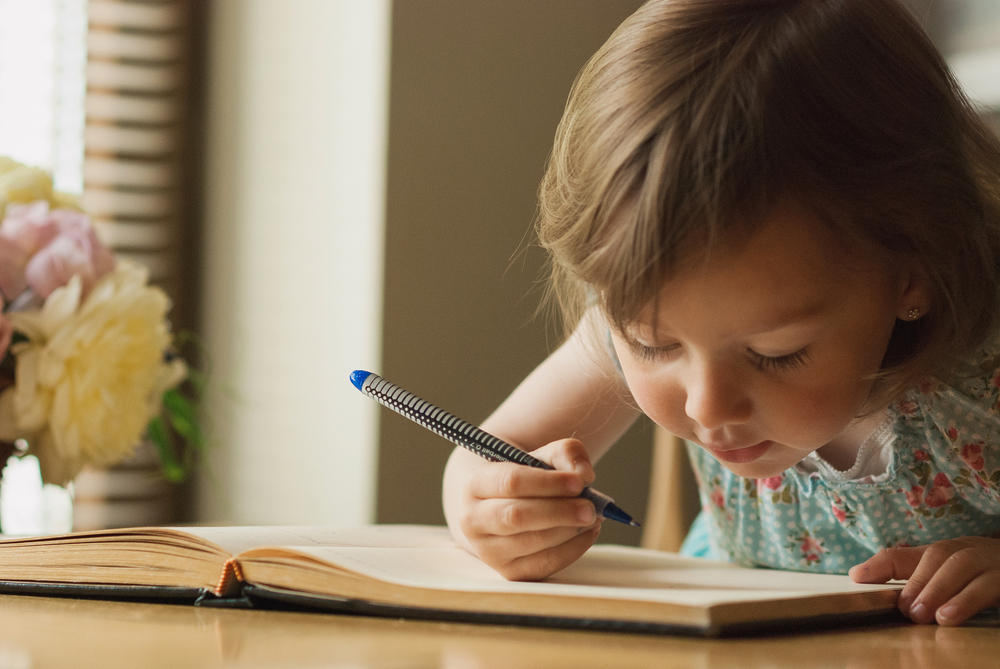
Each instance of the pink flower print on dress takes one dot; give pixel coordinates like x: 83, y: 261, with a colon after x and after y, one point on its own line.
x: 811, y: 548
x: 907, y: 407
x: 718, y: 499
x: 940, y: 492
x: 838, y: 512
x: 914, y: 495
x: 972, y: 454
x: 770, y: 483
x: 953, y: 433
x: 921, y: 455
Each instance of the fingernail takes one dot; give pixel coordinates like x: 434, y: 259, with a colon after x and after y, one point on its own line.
x: 946, y: 613
x: 586, y: 514
x: 918, y: 612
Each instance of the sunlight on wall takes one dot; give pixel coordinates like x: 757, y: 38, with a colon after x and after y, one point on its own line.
x: 296, y: 96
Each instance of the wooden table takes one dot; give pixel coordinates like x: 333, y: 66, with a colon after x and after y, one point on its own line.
x: 39, y: 632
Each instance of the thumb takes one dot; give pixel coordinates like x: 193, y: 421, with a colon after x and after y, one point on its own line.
x: 888, y: 564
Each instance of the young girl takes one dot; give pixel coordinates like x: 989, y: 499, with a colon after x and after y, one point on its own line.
x: 775, y: 230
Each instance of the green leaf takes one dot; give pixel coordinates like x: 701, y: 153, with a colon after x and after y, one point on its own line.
x: 183, y: 417
x: 160, y: 436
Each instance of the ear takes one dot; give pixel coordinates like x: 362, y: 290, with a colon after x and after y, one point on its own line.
x: 914, y: 299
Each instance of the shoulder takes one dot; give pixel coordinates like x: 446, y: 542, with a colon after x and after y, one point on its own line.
x: 969, y: 392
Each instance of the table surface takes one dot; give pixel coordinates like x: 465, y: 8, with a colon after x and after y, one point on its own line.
x: 61, y: 632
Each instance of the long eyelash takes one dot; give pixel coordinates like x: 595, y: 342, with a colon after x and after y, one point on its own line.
x: 781, y: 362
x: 651, y: 353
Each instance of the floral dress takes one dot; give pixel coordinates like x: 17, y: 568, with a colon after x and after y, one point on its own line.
x: 940, y: 447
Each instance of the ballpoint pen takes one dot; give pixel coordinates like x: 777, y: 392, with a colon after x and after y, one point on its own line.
x: 467, y: 435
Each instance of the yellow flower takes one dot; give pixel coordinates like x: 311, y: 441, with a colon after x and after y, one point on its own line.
x: 90, y: 376
x: 21, y: 184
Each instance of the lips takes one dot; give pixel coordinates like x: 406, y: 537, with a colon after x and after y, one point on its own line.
x: 741, y: 454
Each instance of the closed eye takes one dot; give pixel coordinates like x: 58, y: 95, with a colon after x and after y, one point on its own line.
x: 652, y: 353
x: 779, y: 363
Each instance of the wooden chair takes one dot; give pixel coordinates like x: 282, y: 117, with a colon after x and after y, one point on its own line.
x: 673, y: 496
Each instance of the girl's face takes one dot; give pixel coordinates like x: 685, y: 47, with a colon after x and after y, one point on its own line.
x: 767, y: 354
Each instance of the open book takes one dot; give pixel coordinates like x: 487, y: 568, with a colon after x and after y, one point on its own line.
x: 417, y: 571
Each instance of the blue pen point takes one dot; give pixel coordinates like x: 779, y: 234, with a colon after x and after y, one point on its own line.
x: 358, y: 377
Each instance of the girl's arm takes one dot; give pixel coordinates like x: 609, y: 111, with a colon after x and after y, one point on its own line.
x: 528, y: 523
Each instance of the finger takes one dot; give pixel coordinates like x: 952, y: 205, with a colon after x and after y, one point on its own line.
x: 946, y: 569
x: 547, y: 562
x: 507, y: 517
x: 567, y: 455
x: 932, y: 583
x: 512, y: 480
x: 980, y: 593
x: 498, y: 551
x: 888, y: 564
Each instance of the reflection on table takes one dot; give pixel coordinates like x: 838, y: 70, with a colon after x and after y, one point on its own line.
x: 56, y: 632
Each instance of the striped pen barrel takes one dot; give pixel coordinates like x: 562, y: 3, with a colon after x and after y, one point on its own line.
x: 467, y: 435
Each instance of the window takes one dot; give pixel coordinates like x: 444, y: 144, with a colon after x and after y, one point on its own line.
x: 43, y: 55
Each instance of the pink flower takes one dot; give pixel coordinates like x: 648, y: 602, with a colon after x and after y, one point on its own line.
x: 838, y: 513
x: 953, y: 433
x: 76, y: 251
x: 914, y: 494
x: 940, y: 491
x: 42, y: 250
x: 972, y: 454
x: 717, y: 497
x: 907, y: 407
x: 922, y: 455
x: 25, y: 229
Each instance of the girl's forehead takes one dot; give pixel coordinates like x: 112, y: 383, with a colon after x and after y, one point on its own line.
x: 787, y: 268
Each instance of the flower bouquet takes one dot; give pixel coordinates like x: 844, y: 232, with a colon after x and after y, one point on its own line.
x: 88, y: 364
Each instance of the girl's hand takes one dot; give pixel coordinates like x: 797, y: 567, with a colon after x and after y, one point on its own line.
x: 526, y: 523
x: 948, y: 581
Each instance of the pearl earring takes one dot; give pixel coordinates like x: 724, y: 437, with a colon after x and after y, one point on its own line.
x: 913, y: 314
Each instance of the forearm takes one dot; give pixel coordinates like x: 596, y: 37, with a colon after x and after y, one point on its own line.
x: 573, y: 393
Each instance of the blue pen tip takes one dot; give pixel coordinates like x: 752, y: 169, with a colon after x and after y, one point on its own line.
x: 358, y: 377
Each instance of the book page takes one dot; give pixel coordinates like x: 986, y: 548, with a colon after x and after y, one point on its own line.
x: 237, y: 539
x: 430, y: 560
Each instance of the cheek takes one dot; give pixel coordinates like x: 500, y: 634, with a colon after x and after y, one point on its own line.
x: 661, y: 399
x: 816, y: 413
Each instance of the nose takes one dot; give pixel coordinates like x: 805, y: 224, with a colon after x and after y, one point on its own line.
x: 716, y: 398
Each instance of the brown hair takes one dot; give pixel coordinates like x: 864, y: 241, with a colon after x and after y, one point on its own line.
x: 697, y: 117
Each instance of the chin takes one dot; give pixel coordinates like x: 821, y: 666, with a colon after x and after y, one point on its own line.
x: 757, y: 469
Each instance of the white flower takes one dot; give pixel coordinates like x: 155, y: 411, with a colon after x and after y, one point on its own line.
x: 92, y: 375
